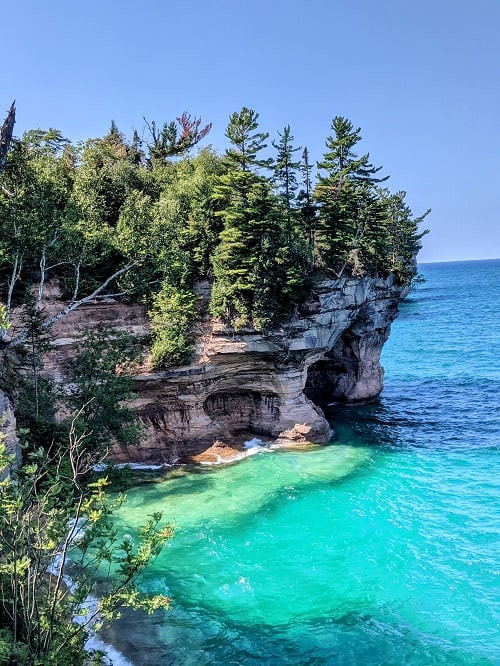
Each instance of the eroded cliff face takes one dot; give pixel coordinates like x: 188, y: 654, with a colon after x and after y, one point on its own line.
x: 242, y: 384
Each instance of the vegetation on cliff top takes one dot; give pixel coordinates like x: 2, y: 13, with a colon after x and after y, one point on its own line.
x: 145, y: 219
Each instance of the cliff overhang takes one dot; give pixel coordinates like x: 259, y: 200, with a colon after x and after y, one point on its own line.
x: 242, y: 384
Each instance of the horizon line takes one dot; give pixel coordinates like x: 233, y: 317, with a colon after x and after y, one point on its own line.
x: 452, y: 261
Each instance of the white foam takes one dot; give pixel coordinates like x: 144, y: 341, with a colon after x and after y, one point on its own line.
x: 114, y: 657
x: 88, y: 608
x: 94, y: 641
x: 102, y: 467
x: 253, y: 443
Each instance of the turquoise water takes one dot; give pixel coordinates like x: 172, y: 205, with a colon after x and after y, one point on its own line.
x: 381, y: 548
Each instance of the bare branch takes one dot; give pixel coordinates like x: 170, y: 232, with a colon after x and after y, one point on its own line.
x: 59, y: 263
x: 6, y: 134
x: 19, y: 339
x: 77, y: 280
x: 16, y: 274
x: 43, y: 271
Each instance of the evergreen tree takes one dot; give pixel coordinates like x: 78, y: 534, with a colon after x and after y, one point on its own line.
x: 307, y: 208
x: 246, y: 142
x: 169, y: 142
x: 403, y: 236
x: 172, y: 317
x: 285, y: 175
x: 246, y: 206
x: 102, y: 383
x: 293, y: 256
x: 135, y: 151
x: 348, y: 203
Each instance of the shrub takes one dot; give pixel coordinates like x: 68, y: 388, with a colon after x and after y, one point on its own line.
x: 172, y: 317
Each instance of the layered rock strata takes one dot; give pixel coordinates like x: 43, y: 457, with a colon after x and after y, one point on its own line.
x: 244, y: 384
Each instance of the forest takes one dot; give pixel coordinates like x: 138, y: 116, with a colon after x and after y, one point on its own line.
x: 145, y: 219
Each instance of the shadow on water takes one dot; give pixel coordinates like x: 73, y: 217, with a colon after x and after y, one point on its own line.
x: 433, y: 414
x: 194, y: 636
x: 368, y: 425
x: 185, y: 486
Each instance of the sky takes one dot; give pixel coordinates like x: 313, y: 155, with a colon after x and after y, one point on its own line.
x: 420, y: 77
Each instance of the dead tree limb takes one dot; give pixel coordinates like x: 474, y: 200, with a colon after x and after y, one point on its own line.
x: 19, y: 339
x: 6, y: 134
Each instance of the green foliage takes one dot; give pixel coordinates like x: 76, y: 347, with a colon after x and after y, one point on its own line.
x: 11, y: 652
x: 172, y: 318
x: 34, y: 198
x: 144, y: 220
x: 260, y: 264
x: 168, y: 141
x: 361, y: 228
x: 122, y: 218
x: 285, y: 172
x: 350, y: 209
x: 4, y: 321
x: 241, y: 260
x: 101, y: 375
x: 50, y: 519
x: 403, y: 237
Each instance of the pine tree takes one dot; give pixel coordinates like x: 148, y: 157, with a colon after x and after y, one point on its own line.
x: 285, y: 173
x: 293, y: 256
x: 246, y: 205
x: 308, y: 218
x: 246, y: 142
x: 403, y: 236
x: 348, y: 203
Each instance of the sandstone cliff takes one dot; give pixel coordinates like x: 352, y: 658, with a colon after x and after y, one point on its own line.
x: 271, y: 385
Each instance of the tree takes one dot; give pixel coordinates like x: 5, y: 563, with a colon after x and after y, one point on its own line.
x: 52, y: 520
x: 104, y: 178
x: 307, y: 208
x: 41, y: 231
x: 172, y: 318
x: 246, y: 142
x: 348, y: 202
x: 196, y: 181
x: 6, y: 134
x: 249, y: 227
x: 403, y: 236
x: 294, y: 256
x: 285, y: 170
x: 35, y: 399
x: 101, y: 376
x: 32, y: 205
x: 168, y: 142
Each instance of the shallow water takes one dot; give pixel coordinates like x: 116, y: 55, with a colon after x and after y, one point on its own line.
x: 381, y: 548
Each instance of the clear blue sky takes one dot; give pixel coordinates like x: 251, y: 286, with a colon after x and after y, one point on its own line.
x: 421, y: 78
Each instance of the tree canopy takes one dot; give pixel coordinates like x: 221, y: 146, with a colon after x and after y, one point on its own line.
x: 145, y: 219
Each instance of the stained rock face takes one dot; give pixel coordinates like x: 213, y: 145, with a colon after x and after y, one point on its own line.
x: 271, y: 385
x: 244, y: 384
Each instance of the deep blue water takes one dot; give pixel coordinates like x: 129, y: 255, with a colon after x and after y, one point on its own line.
x: 380, y: 549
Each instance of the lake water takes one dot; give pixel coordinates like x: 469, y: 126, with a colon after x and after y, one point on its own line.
x: 381, y: 548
